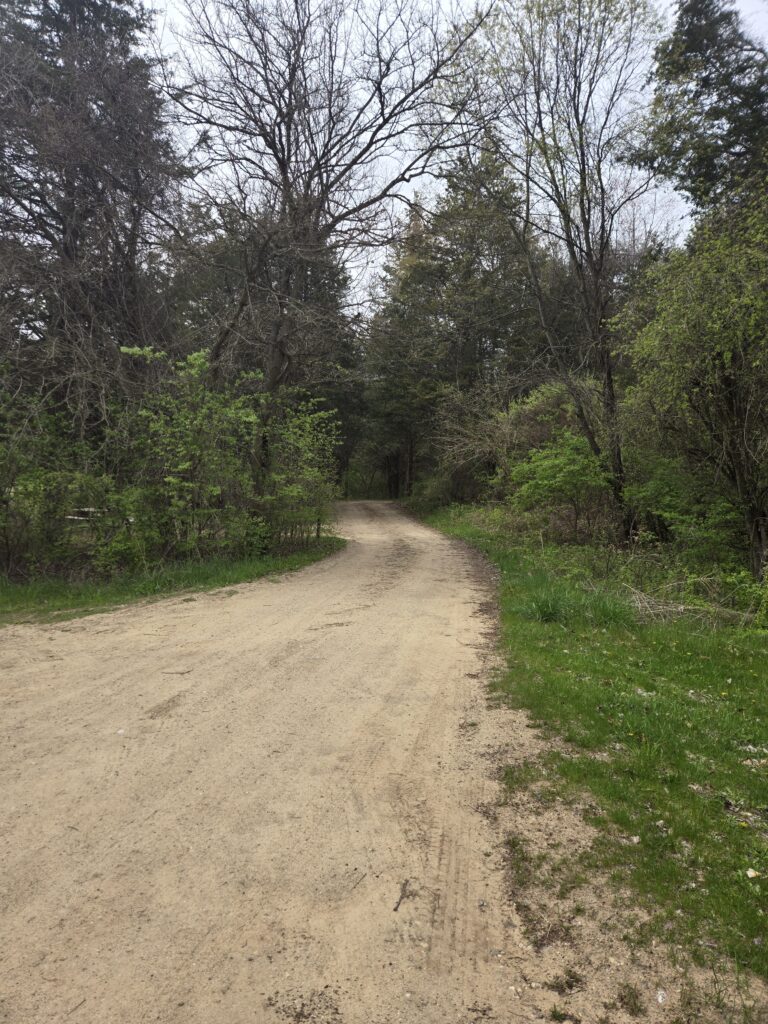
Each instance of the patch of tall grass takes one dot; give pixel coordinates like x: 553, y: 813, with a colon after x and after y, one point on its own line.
x: 548, y: 599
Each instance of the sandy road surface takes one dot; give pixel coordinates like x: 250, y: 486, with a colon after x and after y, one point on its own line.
x: 258, y: 804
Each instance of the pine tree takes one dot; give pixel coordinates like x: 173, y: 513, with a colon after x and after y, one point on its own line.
x: 710, y: 105
x: 85, y: 163
x: 456, y: 316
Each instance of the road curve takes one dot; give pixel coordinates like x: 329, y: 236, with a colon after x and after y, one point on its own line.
x: 258, y: 804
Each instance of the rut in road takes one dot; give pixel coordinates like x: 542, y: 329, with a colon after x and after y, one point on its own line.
x: 259, y: 804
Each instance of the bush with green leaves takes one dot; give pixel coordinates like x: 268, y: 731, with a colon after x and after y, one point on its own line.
x: 431, y: 493
x: 564, y: 483
x: 196, y: 449
x: 39, y: 488
x: 194, y: 471
x: 300, y: 485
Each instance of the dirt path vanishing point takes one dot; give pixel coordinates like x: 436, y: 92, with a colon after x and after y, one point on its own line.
x: 263, y: 804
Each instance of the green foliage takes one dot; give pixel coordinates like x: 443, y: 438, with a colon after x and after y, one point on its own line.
x: 670, y: 575
x: 36, y: 484
x: 560, y: 471
x: 710, y: 110
x: 454, y: 313
x: 703, y: 360
x: 194, y: 443
x: 431, y: 493
x: 563, y: 475
x: 569, y: 604
x: 677, y: 503
x: 195, y: 472
x: 300, y: 486
x: 53, y: 598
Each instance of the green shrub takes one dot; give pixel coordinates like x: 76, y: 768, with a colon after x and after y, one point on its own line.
x: 564, y: 483
x: 195, y: 472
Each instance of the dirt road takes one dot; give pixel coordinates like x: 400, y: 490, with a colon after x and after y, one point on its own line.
x: 280, y: 802
x: 258, y: 804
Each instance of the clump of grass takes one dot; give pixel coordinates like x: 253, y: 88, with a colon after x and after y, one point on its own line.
x: 567, y: 982
x: 520, y: 862
x: 563, y: 1015
x: 667, y: 724
x: 606, y: 609
x: 51, y: 599
x: 630, y: 1000
x: 549, y: 599
x: 548, y: 603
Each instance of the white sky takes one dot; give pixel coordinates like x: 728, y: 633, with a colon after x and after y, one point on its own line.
x: 754, y: 13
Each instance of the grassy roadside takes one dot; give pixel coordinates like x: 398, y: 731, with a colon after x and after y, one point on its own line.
x: 665, y: 725
x: 49, y: 600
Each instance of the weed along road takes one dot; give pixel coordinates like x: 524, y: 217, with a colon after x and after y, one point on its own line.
x: 259, y: 804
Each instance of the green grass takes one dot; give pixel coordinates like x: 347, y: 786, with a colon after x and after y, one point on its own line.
x: 50, y: 599
x: 678, y: 712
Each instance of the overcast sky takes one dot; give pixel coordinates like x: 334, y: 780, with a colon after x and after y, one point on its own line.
x: 754, y: 12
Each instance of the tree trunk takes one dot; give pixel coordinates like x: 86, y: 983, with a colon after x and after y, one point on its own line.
x: 392, y: 467
x: 615, y: 452
x: 757, y: 531
x: 410, y: 459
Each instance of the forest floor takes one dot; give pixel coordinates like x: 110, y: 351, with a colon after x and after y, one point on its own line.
x: 284, y: 801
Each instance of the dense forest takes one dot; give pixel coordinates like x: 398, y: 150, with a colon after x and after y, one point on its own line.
x: 515, y: 257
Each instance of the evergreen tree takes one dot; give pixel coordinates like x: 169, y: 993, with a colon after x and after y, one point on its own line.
x: 456, y: 316
x: 710, y: 109
x: 86, y: 163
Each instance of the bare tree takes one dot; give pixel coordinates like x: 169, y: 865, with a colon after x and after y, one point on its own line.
x: 314, y: 116
x: 565, y: 105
